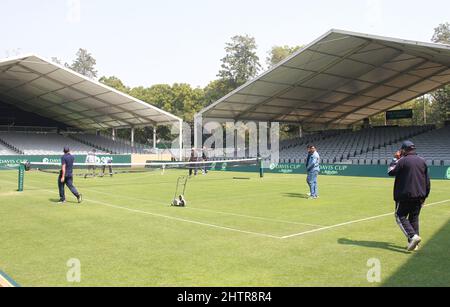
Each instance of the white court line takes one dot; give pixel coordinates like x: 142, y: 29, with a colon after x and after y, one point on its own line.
x: 168, y: 217
x: 353, y: 222
x: 183, y: 220
x: 249, y: 232
x: 214, y: 211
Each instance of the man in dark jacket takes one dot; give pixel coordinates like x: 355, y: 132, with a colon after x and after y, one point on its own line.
x: 412, y: 188
x: 193, y: 167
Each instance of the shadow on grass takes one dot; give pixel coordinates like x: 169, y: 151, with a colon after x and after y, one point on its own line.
x: 56, y: 201
x: 429, y: 267
x: 296, y: 195
x: 375, y: 244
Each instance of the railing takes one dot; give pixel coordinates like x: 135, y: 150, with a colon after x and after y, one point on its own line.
x: 28, y: 129
x: 7, y: 145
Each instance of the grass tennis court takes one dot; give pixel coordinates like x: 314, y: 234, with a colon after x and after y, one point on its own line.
x: 257, y: 232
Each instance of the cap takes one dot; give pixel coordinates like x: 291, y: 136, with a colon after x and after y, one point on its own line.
x: 408, y: 145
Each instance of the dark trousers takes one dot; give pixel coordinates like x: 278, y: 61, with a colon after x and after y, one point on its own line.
x: 104, y: 169
x: 92, y: 169
x: 193, y: 168
x: 69, y: 183
x: 407, y: 216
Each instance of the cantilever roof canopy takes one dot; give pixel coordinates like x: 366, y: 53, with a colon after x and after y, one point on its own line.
x: 36, y: 85
x: 339, y: 79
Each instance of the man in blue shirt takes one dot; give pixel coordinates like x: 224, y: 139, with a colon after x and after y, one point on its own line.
x: 66, y: 177
x: 312, y: 170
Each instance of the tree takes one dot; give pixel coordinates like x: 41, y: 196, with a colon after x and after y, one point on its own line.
x: 279, y: 53
x: 275, y: 56
x: 241, y: 62
x: 56, y: 60
x: 215, y: 90
x: 442, y: 34
x: 441, y: 97
x: 84, y: 64
x: 115, y: 83
x: 441, y: 103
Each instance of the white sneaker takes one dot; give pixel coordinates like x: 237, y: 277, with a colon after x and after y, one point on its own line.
x: 414, y: 242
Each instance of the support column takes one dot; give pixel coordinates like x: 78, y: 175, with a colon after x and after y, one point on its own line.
x: 132, y: 137
x: 114, y: 134
x: 258, y: 137
x: 198, y: 131
x: 236, y: 150
x: 300, y: 131
x: 424, y: 110
x: 181, y: 141
x: 154, y: 138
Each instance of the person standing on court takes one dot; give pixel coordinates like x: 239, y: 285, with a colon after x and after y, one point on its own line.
x: 205, y: 159
x: 412, y: 187
x: 107, y: 162
x: 313, y: 170
x: 193, y: 166
x: 91, y: 161
x: 66, y: 177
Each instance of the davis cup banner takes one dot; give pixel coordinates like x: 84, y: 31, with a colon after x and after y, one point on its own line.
x: 380, y: 171
x: 7, y: 162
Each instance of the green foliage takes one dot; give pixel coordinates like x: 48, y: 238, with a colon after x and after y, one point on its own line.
x: 442, y: 34
x: 216, y: 90
x: 279, y: 53
x: 84, y: 64
x: 241, y: 62
x: 115, y: 83
x: 56, y: 60
x: 423, y: 113
x: 441, y: 104
x: 441, y: 97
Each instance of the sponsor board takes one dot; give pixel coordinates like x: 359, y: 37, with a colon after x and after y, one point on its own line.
x: 14, y: 161
x: 379, y: 171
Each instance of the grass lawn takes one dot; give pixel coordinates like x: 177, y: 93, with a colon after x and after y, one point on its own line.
x: 256, y: 232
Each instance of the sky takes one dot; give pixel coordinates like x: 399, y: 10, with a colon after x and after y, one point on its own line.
x: 146, y: 42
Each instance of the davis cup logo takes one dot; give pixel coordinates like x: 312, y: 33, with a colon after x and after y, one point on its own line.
x: 448, y: 173
x: 273, y: 166
x: 213, y: 166
x: 45, y: 160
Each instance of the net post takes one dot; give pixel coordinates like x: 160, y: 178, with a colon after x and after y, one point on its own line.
x: 21, y: 177
x: 261, y: 168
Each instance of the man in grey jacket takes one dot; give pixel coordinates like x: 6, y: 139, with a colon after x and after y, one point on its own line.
x: 312, y: 170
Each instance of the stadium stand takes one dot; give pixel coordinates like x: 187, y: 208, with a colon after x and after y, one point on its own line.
x: 434, y: 146
x: 311, y: 138
x: 30, y: 143
x: 50, y: 143
x: 107, y: 144
x: 367, y: 146
x: 8, y: 149
x: 5, y: 150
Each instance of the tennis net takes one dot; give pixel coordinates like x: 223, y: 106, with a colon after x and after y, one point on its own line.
x: 102, y: 170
